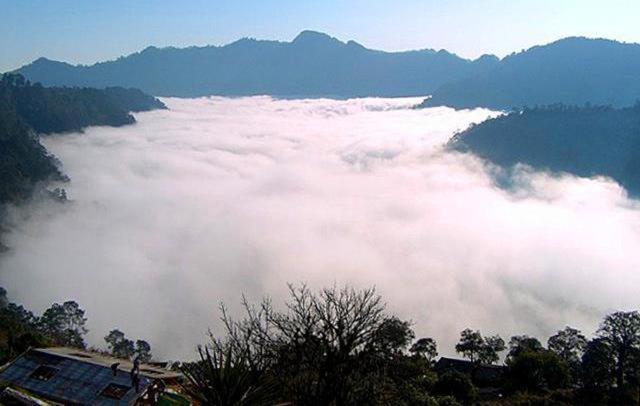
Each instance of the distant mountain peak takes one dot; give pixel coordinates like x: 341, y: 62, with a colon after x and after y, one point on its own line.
x: 46, y: 62
x: 487, y: 58
x: 42, y: 59
x: 569, y: 44
x: 150, y: 49
x: 315, y: 37
x: 355, y: 44
x: 581, y: 39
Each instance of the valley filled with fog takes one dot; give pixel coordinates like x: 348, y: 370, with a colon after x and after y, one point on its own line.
x: 217, y: 197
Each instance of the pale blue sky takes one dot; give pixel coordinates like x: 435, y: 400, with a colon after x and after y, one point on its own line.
x: 87, y: 31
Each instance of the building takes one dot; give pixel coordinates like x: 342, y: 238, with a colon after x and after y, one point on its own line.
x: 74, y: 377
x: 487, y: 378
x: 484, y: 373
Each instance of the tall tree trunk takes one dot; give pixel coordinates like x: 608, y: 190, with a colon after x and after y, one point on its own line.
x: 622, y: 358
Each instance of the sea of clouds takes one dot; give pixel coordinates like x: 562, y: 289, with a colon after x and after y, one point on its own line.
x: 217, y: 197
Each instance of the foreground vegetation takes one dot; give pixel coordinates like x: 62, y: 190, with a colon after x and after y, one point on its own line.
x: 341, y: 347
x: 59, y: 325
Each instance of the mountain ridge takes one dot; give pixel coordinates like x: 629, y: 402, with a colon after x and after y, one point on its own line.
x: 313, y: 64
x: 572, y: 70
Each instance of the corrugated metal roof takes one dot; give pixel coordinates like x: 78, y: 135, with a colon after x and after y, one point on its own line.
x: 147, y: 370
x: 75, y: 382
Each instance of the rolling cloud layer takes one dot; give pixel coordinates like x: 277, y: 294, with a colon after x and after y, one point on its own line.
x: 218, y: 197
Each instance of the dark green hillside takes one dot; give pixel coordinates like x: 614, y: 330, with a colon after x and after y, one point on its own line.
x: 28, y: 109
x: 23, y: 161
x: 58, y: 109
x: 585, y: 141
x: 133, y: 99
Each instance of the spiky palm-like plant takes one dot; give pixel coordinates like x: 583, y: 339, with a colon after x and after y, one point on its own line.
x: 222, y: 377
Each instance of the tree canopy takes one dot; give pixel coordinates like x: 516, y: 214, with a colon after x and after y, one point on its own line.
x: 340, y: 346
x: 479, y: 349
x: 65, y: 323
x: 27, y: 109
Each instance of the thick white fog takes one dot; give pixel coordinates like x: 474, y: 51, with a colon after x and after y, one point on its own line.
x: 218, y: 197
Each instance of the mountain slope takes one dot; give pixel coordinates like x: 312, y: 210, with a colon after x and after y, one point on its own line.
x: 570, y: 71
x: 27, y: 109
x: 23, y: 160
x: 313, y: 64
x: 586, y: 141
x: 59, y: 109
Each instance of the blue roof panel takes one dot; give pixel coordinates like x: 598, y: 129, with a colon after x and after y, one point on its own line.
x: 74, y: 382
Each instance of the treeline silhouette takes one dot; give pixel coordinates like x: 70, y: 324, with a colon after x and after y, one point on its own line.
x: 585, y: 141
x: 59, y: 109
x: 340, y: 346
x: 59, y: 325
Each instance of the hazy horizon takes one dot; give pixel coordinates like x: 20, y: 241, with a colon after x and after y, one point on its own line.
x: 332, y: 36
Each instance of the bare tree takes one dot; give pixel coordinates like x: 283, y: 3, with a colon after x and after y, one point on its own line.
x: 315, y: 341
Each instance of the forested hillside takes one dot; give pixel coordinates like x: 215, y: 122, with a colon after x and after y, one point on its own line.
x: 23, y: 161
x: 584, y: 141
x: 59, y: 109
x: 62, y: 324
x: 28, y: 109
